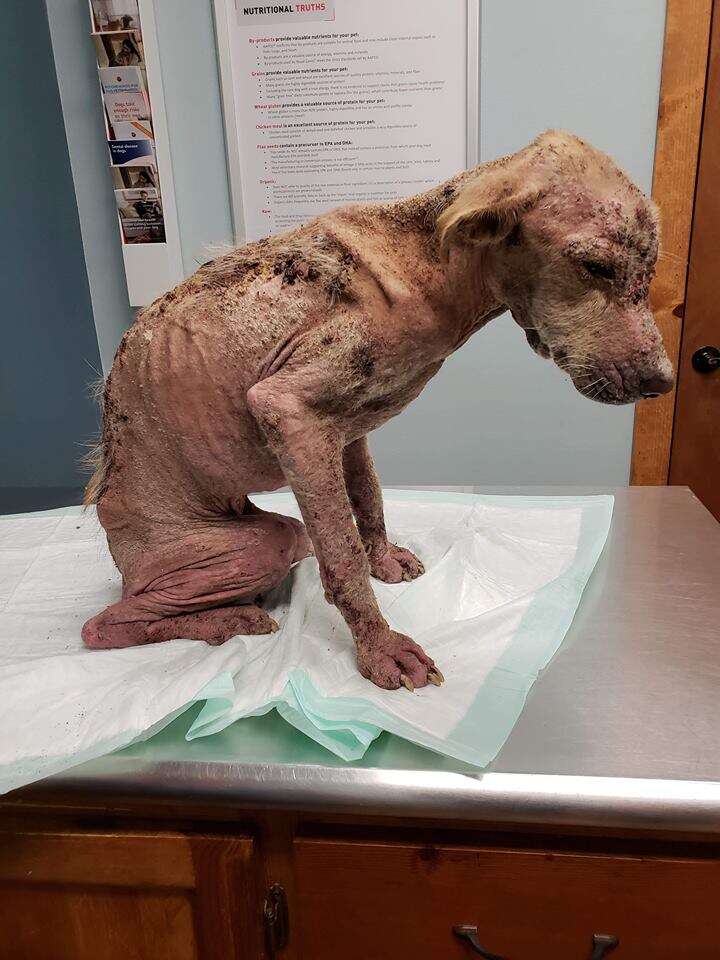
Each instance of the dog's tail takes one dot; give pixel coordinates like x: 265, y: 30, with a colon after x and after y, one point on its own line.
x: 96, y: 459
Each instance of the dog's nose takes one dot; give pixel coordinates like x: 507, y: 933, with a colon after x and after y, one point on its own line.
x: 656, y: 384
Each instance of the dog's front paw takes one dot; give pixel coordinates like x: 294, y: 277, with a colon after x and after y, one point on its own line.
x: 396, y: 564
x: 392, y: 660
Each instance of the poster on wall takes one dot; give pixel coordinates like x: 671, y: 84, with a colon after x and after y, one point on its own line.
x: 343, y: 101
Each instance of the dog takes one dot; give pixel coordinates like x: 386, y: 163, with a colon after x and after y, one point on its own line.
x: 272, y: 363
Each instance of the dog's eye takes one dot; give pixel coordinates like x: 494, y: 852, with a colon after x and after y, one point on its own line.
x: 597, y: 269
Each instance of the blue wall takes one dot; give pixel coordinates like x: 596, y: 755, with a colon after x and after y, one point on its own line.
x: 49, y: 348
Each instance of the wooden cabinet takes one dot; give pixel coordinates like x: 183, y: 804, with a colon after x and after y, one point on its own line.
x: 126, y: 896
x: 348, y: 893
x: 381, y: 901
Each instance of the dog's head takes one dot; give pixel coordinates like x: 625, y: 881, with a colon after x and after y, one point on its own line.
x: 571, y: 245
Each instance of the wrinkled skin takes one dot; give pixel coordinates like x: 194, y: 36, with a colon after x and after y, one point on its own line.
x: 272, y: 363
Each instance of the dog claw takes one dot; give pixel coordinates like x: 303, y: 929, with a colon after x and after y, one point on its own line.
x: 407, y: 683
x: 274, y: 626
x: 434, y: 676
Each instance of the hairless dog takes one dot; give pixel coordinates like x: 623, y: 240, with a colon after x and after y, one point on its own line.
x: 272, y: 363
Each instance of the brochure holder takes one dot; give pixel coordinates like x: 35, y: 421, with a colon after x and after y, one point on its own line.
x: 125, y: 37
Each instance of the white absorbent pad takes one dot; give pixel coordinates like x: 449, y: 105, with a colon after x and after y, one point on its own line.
x: 503, y: 580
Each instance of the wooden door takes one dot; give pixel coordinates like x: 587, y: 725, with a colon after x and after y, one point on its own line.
x: 695, y: 454
x: 135, y: 896
x: 382, y: 901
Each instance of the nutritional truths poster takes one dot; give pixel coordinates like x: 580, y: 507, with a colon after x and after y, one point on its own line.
x: 349, y: 101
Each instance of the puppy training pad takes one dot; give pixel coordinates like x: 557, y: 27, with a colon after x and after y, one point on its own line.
x: 504, y: 576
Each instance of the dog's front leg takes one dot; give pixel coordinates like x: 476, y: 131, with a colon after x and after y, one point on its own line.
x: 388, y: 562
x: 309, y: 450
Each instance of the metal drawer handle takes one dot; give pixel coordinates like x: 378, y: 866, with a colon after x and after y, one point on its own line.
x: 603, y: 944
x: 470, y: 934
x: 275, y: 915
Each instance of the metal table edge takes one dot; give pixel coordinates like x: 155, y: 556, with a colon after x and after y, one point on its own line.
x: 686, y: 806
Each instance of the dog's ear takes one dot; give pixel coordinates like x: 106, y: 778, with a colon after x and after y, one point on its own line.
x: 490, y: 205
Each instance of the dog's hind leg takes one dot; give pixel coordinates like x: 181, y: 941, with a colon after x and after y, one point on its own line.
x: 200, y: 585
x: 304, y: 547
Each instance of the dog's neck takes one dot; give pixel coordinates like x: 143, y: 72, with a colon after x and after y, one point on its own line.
x: 421, y: 211
x: 471, y: 291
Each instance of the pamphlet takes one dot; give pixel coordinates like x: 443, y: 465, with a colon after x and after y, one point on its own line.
x: 132, y: 153
x: 121, y: 80
x: 126, y: 106
x: 134, y: 177
x: 114, y: 15
x: 119, y: 49
x: 132, y: 130
x: 141, y: 216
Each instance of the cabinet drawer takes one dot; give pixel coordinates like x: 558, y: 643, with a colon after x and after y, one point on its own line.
x: 377, y: 901
x: 127, y: 896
